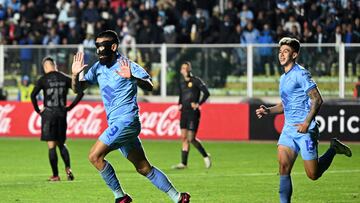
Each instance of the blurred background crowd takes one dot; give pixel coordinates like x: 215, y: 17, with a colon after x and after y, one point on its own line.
x: 179, y: 21
x: 208, y: 22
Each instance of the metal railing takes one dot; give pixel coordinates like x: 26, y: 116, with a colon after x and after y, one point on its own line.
x: 229, y: 69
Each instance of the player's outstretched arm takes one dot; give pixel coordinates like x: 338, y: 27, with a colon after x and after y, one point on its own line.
x: 263, y: 110
x: 77, y: 66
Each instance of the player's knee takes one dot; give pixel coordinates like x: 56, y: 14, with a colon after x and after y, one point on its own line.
x: 93, y: 158
x: 312, y: 175
x: 184, y: 139
x: 144, y: 170
x: 284, y: 168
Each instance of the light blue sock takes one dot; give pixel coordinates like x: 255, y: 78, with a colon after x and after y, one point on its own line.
x: 159, y: 179
x: 285, y: 190
x: 109, y: 176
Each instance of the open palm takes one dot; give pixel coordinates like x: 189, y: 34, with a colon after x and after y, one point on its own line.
x: 124, y: 70
x: 78, y: 63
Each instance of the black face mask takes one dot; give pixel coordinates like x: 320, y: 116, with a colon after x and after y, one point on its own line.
x: 106, y: 54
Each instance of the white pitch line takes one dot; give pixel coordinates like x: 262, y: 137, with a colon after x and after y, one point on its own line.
x: 208, y: 175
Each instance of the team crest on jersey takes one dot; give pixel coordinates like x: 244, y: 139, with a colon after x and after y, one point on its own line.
x: 190, y: 84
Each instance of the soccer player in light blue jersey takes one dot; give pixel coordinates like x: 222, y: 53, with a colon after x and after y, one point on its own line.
x: 118, y: 78
x: 300, y: 102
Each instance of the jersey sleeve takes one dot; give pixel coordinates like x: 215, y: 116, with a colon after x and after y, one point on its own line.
x: 203, y: 88
x: 67, y: 80
x: 38, y: 87
x: 90, y: 76
x: 305, y: 80
x: 138, y: 72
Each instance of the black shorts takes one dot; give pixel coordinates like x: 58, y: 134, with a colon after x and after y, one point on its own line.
x: 53, y: 125
x: 190, y: 120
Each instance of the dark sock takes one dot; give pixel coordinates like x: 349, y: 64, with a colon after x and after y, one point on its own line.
x: 285, y: 189
x: 325, y: 161
x: 199, y: 147
x: 184, y: 157
x: 65, y: 155
x: 53, y: 161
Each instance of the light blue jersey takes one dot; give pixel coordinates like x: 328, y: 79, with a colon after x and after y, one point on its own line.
x: 118, y: 93
x: 119, y: 98
x: 294, y: 87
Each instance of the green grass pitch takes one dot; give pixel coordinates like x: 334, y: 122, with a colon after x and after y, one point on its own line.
x: 241, y: 172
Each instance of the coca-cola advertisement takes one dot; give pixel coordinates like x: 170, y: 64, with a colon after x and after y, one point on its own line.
x: 159, y: 121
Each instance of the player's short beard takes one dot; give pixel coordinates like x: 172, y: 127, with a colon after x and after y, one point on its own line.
x: 107, y: 55
x: 106, y: 58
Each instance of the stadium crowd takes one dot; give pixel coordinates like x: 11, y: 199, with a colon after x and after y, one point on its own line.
x: 179, y: 21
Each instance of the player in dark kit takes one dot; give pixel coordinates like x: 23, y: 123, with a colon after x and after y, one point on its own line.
x: 55, y: 86
x: 191, y: 88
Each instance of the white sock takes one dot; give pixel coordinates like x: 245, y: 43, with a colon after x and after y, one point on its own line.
x: 173, y: 194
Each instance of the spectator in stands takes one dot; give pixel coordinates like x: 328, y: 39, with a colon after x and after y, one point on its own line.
x: 336, y: 37
x: 250, y: 35
x: 184, y: 27
x: 289, y: 25
x: 226, y: 30
x: 266, y: 56
x: 13, y: 5
x: 307, y: 36
x: 25, y: 88
x: 245, y: 15
x: 26, y: 55
x: 51, y: 38
x: 39, y: 16
x: 294, y: 32
x: 90, y: 14
x: 231, y: 11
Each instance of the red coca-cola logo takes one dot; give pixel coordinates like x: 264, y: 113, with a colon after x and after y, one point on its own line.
x: 5, y: 121
x: 279, y: 122
x: 164, y: 123
x: 83, y: 119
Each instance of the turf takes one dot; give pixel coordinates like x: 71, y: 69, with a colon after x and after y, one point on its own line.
x: 242, y: 172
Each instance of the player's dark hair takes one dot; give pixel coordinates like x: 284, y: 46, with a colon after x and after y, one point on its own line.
x: 291, y: 42
x: 48, y: 58
x: 188, y: 63
x: 110, y: 34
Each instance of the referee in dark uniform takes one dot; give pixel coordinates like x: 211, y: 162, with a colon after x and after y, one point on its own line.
x: 55, y: 86
x: 190, y: 99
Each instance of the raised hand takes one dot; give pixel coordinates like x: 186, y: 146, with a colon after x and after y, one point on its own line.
x: 78, y: 63
x: 263, y: 110
x: 124, y: 70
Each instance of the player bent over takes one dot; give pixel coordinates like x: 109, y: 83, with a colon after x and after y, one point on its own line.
x: 118, y: 78
x: 55, y: 86
x: 300, y: 103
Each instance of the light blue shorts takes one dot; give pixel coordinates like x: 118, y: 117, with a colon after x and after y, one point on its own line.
x: 122, y: 135
x: 305, y: 143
